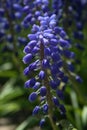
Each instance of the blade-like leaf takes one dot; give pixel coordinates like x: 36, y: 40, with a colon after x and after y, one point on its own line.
x: 29, y: 123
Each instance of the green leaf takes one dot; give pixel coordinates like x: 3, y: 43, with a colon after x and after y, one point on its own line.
x: 8, y: 108
x: 7, y: 86
x: 8, y: 73
x: 10, y: 92
x: 84, y: 115
x: 6, y: 66
x: 29, y: 123
x: 66, y: 125
x: 75, y: 105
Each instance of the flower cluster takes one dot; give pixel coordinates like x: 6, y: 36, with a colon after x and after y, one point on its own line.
x: 48, y: 57
x: 48, y: 46
x: 58, y: 8
x: 48, y: 53
x: 10, y: 27
x: 72, y: 14
x: 33, y: 9
x: 76, y: 13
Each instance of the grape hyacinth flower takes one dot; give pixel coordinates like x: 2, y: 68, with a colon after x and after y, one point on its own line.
x: 33, y: 9
x: 45, y: 55
x: 10, y: 28
x: 48, y: 57
x: 58, y: 8
x: 72, y: 15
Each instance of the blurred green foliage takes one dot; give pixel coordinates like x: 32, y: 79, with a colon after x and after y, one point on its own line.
x: 14, y: 97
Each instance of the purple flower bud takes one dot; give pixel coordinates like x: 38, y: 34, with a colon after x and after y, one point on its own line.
x: 45, y: 108
x: 37, y: 14
x: 65, y: 79
x: 78, y: 35
x: 48, y: 35
x: 55, y: 101
x: 60, y: 74
x: 32, y: 37
x: 36, y: 110
x: 5, y: 25
x: 22, y: 40
x: 53, y: 17
x: 47, y: 51
x: 42, y: 122
x: 79, y: 46
x: 55, y: 57
x: 26, y: 9
x: 60, y: 63
x: 43, y: 22
x: 64, y: 43
x: 54, y: 42
x: 35, y: 50
x: 2, y: 12
x: 57, y: 30
x: 9, y: 38
x: 17, y: 28
x: 25, y: 25
x: 78, y: 79
x: 45, y: 63
x: 43, y: 91
x: 32, y: 96
x: 27, y: 58
x: 36, y: 86
x: 42, y: 75
x: 26, y: 71
x: 40, y: 18
x: 44, y: 8
x: 46, y: 2
x: 32, y: 66
x: 32, y: 21
x: 63, y: 34
x: 45, y: 41
x: 30, y: 83
x: 28, y: 18
x: 32, y: 43
x: 35, y: 28
x: 54, y: 69
x: 27, y: 50
x: 2, y: 33
x: 17, y: 7
x: 52, y: 24
x: 60, y: 94
x: 27, y: 84
x: 62, y: 109
x: 26, y: 2
x: 18, y: 15
x: 48, y: 31
x: 53, y: 84
x: 12, y: 16
x: 69, y: 54
x: 79, y: 25
x: 70, y: 67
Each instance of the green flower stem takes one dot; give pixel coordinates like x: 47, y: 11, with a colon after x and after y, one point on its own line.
x: 12, y: 33
x: 75, y: 85
x: 71, y: 77
x: 66, y: 15
x: 49, y: 101
x: 48, y: 96
x: 16, y: 59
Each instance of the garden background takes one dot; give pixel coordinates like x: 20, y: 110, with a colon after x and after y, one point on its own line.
x: 15, y: 109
